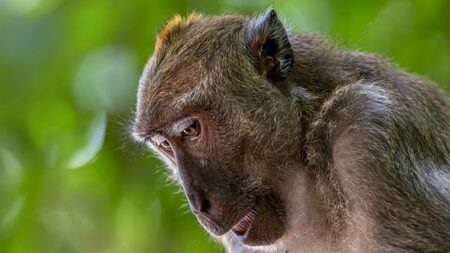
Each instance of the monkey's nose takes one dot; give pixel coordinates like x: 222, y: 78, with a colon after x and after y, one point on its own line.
x: 200, y: 204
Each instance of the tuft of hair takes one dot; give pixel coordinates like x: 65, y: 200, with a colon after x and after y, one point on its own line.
x: 172, y: 26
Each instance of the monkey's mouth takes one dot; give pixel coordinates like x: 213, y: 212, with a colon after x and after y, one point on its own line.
x: 262, y: 223
x: 242, y: 227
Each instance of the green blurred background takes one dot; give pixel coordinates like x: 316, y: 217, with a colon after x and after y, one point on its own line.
x: 70, y: 178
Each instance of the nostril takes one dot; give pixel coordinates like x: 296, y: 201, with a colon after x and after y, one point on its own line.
x: 205, y: 205
x: 199, y: 202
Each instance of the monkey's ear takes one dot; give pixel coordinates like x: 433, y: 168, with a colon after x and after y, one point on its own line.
x: 269, y: 45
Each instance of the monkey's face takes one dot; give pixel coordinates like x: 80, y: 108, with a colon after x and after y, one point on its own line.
x: 222, y: 127
x: 224, y: 182
x: 227, y: 161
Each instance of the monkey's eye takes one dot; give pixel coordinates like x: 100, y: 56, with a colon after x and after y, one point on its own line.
x: 165, y: 145
x: 191, y: 131
x: 160, y: 141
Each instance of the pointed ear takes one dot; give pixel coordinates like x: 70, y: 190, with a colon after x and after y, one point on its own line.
x: 269, y: 46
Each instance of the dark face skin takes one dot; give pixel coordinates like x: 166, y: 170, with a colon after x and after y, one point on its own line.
x: 208, y: 122
x: 216, y: 180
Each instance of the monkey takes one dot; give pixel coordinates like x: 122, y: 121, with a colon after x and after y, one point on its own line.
x: 286, y: 142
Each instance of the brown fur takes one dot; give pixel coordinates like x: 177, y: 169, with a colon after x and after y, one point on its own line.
x: 339, y: 150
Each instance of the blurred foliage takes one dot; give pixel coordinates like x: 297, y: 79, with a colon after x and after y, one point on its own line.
x: 70, y: 179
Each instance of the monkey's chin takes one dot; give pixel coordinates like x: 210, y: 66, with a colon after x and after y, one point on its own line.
x: 261, y: 226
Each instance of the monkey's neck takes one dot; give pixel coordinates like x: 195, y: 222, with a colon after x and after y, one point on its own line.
x: 320, y: 67
x: 318, y: 70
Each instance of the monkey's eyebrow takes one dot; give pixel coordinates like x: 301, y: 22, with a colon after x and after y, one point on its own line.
x: 140, y: 136
x: 157, y: 139
x: 140, y: 132
x: 171, y: 127
x: 182, y: 124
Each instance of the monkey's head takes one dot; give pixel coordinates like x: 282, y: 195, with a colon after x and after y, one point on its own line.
x: 210, y: 106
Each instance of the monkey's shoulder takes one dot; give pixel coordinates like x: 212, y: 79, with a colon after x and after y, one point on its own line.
x: 354, y: 106
x: 381, y: 115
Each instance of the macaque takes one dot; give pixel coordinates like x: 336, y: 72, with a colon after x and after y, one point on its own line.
x: 283, y: 142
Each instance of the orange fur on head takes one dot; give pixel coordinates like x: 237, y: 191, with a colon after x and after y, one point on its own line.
x: 174, y: 24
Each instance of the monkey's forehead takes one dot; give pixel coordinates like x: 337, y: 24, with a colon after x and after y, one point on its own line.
x: 192, y: 50
x: 196, y: 29
x: 193, y: 58
x: 169, y: 88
